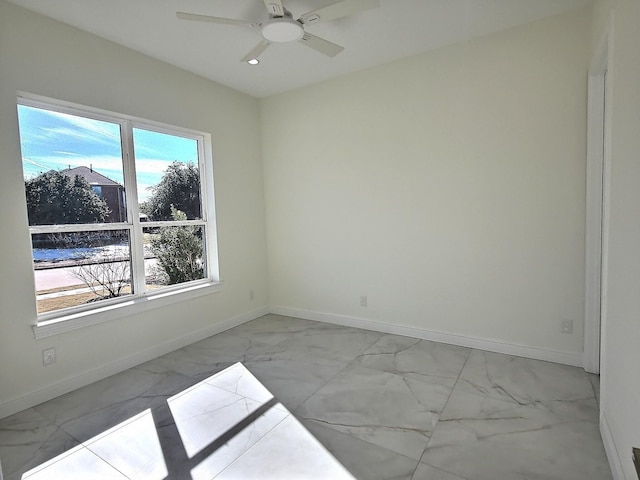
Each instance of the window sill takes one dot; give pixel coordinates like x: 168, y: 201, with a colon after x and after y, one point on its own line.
x: 123, y: 309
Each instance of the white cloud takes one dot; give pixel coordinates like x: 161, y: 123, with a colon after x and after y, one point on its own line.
x: 106, y: 130
x: 100, y: 163
x: 148, y: 170
x: 151, y: 165
x: 108, y: 166
x: 70, y: 154
x: 71, y: 134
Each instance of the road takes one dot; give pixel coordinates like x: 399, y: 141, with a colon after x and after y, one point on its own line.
x: 63, y: 277
x: 56, y: 278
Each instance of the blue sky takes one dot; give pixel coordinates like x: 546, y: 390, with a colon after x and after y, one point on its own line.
x: 55, y: 141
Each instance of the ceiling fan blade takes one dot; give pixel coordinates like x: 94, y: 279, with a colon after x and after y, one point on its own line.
x: 256, y: 51
x: 337, y: 10
x: 321, y: 45
x: 207, y: 18
x: 274, y: 7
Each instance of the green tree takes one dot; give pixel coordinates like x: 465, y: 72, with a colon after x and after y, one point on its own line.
x: 179, y: 250
x: 54, y: 198
x: 180, y: 187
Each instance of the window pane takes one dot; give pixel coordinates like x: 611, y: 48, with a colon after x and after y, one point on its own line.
x: 173, y: 255
x: 167, y: 174
x: 73, y: 269
x: 72, y: 168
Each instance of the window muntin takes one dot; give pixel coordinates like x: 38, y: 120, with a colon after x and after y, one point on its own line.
x: 90, y: 261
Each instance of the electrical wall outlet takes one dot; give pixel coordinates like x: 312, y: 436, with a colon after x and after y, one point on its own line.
x: 48, y: 356
x: 567, y: 326
x: 363, y: 301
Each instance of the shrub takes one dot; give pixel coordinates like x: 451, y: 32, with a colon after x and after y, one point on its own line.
x: 179, y: 250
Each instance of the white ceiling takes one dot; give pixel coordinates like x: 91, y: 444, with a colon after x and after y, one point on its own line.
x: 397, y: 29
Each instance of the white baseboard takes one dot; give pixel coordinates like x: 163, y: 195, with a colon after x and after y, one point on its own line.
x: 566, y: 358
x: 610, y: 448
x: 71, y: 383
x: 67, y: 385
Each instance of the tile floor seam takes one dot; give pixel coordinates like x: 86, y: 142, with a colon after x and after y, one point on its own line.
x: 320, y: 388
x: 336, y: 350
x: 83, y: 447
x: 441, y: 470
x: 537, y: 406
x: 347, y: 364
x: 252, y: 445
x: 78, y: 438
x: 105, y: 461
x: 400, y: 375
x: 51, y: 420
x: 435, y: 427
x: 375, y: 446
x: 60, y: 427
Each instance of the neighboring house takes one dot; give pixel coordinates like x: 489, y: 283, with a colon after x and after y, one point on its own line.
x: 110, y: 191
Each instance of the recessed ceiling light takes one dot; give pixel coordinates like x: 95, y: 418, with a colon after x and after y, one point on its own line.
x: 253, y: 61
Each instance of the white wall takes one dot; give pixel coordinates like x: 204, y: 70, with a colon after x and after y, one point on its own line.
x: 447, y: 187
x: 41, y: 56
x: 621, y: 348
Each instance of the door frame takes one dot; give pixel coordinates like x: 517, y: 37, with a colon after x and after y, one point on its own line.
x: 597, y: 200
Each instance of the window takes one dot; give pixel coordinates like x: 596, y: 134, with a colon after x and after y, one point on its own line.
x: 119, y: 208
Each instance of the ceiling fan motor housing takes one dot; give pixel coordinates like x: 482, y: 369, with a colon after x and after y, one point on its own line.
x: 282, y: 30
x: 281, y: 27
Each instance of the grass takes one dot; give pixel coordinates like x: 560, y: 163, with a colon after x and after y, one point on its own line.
x: 66, y: 301
x: 73, y: 300
x: 61, y: 289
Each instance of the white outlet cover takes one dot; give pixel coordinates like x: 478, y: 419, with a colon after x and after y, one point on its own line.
x: 567, y: 326
x: 49, y: 356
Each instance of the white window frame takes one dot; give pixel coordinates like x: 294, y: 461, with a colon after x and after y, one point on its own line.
x: 53, y: 323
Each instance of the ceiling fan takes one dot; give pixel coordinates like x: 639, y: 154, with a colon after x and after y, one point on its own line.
x: 282, y: 28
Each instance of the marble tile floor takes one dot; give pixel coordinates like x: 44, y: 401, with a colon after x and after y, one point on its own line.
x: 227, y: 426
x: 385, y: 406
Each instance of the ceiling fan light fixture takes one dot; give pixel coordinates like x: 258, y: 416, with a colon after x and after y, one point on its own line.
x: 282, y: 30
x: 253, y: 61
